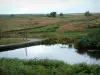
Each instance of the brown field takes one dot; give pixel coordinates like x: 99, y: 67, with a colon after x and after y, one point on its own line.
x: 12, y: 26
x: 74, y: 26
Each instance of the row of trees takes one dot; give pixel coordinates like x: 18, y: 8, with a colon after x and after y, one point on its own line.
x: 53, y: 14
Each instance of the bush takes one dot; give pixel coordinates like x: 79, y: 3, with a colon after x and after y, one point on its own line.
x: 52, y: 14
x: 87, y: 13
x: 61, y: 14
x: 90, y: 41
x: 12, y: 15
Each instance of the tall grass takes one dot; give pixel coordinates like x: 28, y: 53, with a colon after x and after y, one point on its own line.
x: 10, y: 66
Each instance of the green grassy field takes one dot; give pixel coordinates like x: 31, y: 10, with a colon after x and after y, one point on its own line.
x: 10, y: 66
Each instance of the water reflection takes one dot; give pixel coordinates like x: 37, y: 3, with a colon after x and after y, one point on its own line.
x: 26, y: 51
x: 63, y: 52
x: 92, y: 53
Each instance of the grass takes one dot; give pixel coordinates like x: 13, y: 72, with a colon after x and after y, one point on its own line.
x: 56, y: 40
x: 75, y: 32
x: 5, y: 41
x: 80, y: 20
x: 35, y: 26
x: 49, y: 28
x: 52, y: 37
x: 80, y: 32
x: 55, y: 37
x: 9, y: 66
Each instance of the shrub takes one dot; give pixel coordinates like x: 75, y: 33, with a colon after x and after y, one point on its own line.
x: 12, y: 15
x: 52, y: 14
x: 87, y: 13
x: 61, y: 14
x: 92, y: 40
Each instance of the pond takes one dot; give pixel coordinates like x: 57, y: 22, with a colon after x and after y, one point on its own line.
x: 66, y: 53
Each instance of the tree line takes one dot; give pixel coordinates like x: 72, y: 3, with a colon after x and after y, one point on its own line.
x: 53, y: 14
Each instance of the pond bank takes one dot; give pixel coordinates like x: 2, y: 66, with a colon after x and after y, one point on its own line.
x: 29, y: 42
x: 36, y: 41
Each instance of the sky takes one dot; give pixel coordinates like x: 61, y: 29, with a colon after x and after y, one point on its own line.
x: 47, y: 6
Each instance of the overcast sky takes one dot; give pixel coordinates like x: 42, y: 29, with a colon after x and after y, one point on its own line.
x: 46, y: 6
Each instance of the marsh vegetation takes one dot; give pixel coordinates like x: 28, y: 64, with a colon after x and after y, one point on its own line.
x: 45, y: 67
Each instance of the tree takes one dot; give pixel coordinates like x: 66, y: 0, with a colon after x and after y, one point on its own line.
x: 12, y: 15
x: 53, y: 14
x: 87, y: 13
x: 61, y: 14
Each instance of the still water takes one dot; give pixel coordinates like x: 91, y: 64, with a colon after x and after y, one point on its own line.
x: 65, y: 53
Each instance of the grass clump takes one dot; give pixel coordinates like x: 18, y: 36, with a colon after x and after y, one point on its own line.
x: 92, y: 40
x: 15, y: 66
